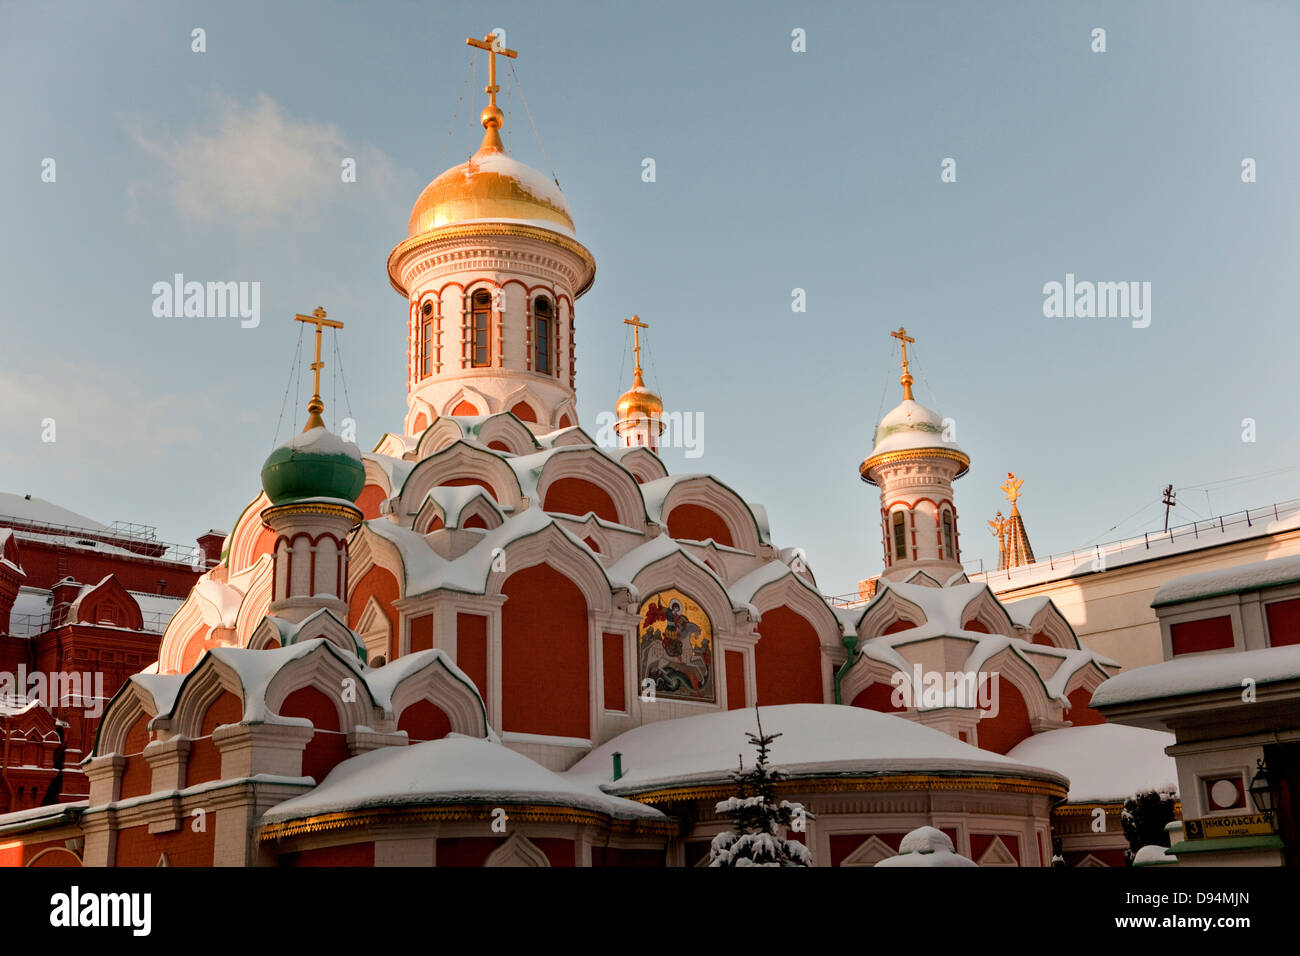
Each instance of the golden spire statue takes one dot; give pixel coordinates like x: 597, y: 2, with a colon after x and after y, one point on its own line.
x: 492, y: 117
x: 998, y: 526
x: 316, y: 405
x: 1011, y: 488
x: 1016, y: 549
x: 906, y: 379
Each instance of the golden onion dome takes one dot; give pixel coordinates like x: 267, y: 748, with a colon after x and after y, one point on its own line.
x: 639, y: 402
x: 491, y: 186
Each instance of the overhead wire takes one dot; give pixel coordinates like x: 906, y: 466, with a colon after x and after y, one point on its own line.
x: 295, y: 363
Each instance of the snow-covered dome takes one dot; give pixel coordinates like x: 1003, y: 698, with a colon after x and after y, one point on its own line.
x: 816, y: 739
x: 452, y: 770
x: 491, y: 186
x: 314, y: 464
x: 1106, y: 763
x: 909, y: 428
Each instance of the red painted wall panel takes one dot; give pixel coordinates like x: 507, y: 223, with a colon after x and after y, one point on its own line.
x: 1283, y: 622
x: 612, y: 659
x: 787, y: 660
x: 1210, y: 634
x: 545, y: 661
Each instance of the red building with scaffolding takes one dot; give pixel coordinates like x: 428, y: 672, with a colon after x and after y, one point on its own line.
x: 83, y: 605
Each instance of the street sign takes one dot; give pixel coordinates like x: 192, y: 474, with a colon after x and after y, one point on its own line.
x: 1248, y: 824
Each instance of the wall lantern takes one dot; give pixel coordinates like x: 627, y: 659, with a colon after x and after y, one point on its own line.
x: 1262, y: 790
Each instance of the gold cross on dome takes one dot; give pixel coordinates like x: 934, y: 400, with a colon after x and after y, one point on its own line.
x: 316, y: 406
x: 637, y: 326
x: 492, y: 44
x: 906, y: 379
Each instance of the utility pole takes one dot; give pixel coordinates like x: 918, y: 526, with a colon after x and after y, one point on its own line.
x: 1169, y: 494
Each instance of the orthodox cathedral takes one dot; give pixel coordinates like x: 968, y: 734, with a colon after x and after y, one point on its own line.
x: 492, y: 641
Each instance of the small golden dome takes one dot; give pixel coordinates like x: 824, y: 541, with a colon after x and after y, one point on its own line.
x: 639, y: 402
x: 491, y: 186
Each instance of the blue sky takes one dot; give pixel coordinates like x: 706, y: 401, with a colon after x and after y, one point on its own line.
x: 775, y: 170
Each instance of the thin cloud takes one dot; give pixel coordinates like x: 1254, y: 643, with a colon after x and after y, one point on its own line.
x: 99, y: 416
x: 252, y: 163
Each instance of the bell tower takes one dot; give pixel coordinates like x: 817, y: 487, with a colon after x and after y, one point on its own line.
x: 914, y: 462
x: 491, y: 269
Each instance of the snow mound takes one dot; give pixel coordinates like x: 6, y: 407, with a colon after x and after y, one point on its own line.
x: 927, y: 846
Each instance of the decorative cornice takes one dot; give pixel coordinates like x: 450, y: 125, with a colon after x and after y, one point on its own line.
x: 346, y: 512
x: 481, y: 229
x: 1086, y: 809
x: 460, y: 812
x: 863, y: 784
x: 911, y: 454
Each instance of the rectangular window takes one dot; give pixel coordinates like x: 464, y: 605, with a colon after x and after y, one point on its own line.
x: 949, y: 551
x: 480, y: 324
x: 900, y: 537
x: 542, y: 341
x: 426, y: 351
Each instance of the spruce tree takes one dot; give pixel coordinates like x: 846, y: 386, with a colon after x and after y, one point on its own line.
x: 757, y: 817
x: 1144, y: 818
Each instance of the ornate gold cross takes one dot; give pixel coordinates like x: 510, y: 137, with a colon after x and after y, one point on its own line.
x: 316, y: 406
x: 493, y: 47
x: 906, y: 379
x: 637, y: 326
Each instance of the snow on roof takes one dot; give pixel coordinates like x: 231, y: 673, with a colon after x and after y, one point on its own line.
x: 257, y: 668
x: 384, y: 680
x: 817, y: 740
x: 911, y: 425
x: 1243, y: 577
x: 14, y: 706
x: 1025, y: 610
x: 217, y: 601
x: 624, y: 571
x: 744, y: 589
x: 5, y: 535
x: 30, y: 613
x: 453, y: 499
x: 528, y: 468
x: 1200, y: 673
x: 1106, y: 763
x: 322, y: 441
x: 397, y: 470
x: 455, y: 769
x: 945, y: 609
x: 69, y: 539
x: 426, y: 570
x: 39, y: 511
x: 550, y: 438
x: 656, y: 492
x: 35, y: 814
x: 1257, y: 523
x: 163, y: 688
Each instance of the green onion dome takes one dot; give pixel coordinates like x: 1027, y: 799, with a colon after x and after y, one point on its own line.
x: 314, y: 464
